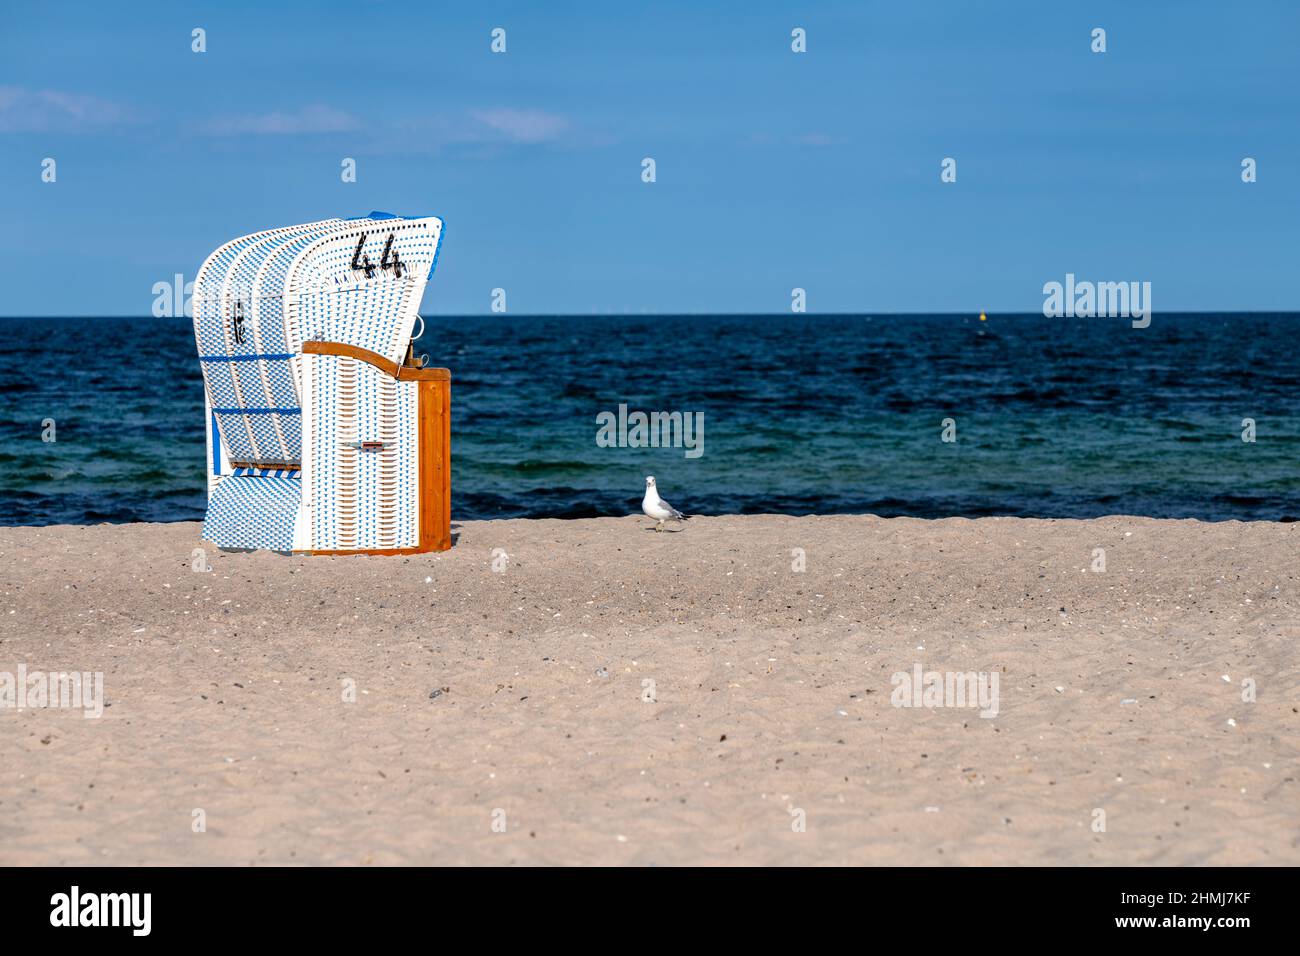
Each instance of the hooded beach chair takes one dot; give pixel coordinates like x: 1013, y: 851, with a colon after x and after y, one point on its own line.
x: 324, y: 434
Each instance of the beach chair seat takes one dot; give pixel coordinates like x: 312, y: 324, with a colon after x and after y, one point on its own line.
x: 253, y: 511
x: 323, y: 435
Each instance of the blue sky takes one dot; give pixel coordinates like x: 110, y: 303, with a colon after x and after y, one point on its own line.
x: 774, y: 169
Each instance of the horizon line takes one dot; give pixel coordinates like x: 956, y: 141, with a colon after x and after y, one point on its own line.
x: 672, y: 315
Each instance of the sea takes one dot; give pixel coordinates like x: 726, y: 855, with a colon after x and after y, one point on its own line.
x: 1196, y: 416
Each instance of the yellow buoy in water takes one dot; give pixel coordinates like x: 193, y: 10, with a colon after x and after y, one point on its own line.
x: 983, y: 317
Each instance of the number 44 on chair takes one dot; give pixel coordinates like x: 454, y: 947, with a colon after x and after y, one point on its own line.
x: 389, y: 260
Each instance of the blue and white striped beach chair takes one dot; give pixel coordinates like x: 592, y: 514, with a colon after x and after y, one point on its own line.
x: 324, y: 435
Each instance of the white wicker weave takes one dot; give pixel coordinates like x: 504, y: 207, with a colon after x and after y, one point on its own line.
x: 329, y: 439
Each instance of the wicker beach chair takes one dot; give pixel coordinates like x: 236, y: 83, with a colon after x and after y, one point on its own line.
x: 324, y: 435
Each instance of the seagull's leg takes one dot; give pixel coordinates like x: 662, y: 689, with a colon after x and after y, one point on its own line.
x: 659, y: 526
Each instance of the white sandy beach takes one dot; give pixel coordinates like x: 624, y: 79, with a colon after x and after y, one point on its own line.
x: 1119, y: 691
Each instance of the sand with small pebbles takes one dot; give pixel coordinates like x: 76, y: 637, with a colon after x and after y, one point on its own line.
x: 596, y: 693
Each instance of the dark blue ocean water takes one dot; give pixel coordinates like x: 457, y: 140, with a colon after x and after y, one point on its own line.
x: 803, y: 414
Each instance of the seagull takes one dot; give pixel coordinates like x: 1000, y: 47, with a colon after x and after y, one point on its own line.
x: 655, y: 507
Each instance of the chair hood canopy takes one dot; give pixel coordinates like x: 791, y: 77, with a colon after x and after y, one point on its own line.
x: 356, y: 281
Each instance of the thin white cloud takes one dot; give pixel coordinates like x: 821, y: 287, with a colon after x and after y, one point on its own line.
x: 802, y: 139
x: 307, y: 121
x: 25, y: 110
x: 523, y: 126
x: 429, y: 132
x: 818, y: 139
x: 481, y: 132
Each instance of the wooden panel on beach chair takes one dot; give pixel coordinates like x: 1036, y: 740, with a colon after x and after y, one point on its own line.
x: 397, y: 415
x: 362, y: 462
